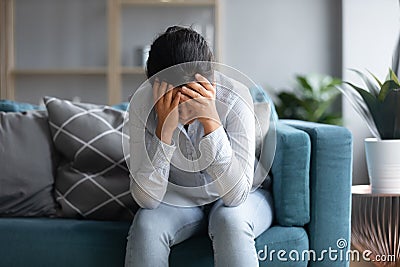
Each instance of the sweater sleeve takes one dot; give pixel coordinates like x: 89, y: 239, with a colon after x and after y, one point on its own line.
x: 149, y: 166
x: 231, y: 153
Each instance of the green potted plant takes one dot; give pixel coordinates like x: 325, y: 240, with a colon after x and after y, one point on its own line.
x: 379, y: 105
x: 311, y: 100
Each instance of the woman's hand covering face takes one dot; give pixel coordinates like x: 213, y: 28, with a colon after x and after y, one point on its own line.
x: 197, y: 101
x: 166, y: 100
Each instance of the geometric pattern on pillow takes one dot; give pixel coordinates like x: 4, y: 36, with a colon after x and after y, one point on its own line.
x: 93, y: 181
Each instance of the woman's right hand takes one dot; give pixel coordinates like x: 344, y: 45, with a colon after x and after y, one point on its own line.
x: 166, y: 105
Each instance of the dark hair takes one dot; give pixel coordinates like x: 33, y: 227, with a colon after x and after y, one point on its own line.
x: 179, y: 45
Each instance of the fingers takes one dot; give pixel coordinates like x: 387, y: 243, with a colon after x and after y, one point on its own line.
x: 168, y: 95
x: 163, y: 92
x: 205, y: 83
x: 197, y: 87
x: 159, y: 89
x: 162, y: 89
x: 184, y: 98
x: 156, y: 85
x: 190, y: 93
x: 176, y: 100
x: 175, y: 91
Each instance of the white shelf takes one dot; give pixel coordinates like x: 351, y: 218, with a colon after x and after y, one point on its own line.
x: 169, y: 2
x: 133, y: 70
x: 77, y: 71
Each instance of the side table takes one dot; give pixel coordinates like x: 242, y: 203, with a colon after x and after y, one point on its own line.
x: 376, y: 224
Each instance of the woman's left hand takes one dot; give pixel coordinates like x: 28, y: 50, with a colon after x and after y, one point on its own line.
x: 197, y: 101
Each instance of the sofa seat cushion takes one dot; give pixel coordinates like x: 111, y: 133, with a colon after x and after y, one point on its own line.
x: 61, y: 242
x: 27, y: 162
x: 70, y: 242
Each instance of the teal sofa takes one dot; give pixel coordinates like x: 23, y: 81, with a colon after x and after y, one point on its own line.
x: 311, y: 184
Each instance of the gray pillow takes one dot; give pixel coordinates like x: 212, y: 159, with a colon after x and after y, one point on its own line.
x: 93, y: 180
x: 27, y: 163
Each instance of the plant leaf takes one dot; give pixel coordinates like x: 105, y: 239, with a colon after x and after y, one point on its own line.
x: 289, y: 99
x: 396, y: 57
x: 376, y: 79
x: 328, y: 82
x: 371, y: 102
x: 288, y: 106
x: 330, y: 88
x: 387, y: 87
x: 334, y: 82
x: 332, y: 119
x: 396, y: 110
x: 372, y: 87
x: 360, y: 107
x: 302, y: 80
x: 389, y: 127
x: 322, y: 108
x: 393, y: 76
x: 310, y: 98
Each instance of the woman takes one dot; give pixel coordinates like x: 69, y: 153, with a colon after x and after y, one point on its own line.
x: 199, y: 165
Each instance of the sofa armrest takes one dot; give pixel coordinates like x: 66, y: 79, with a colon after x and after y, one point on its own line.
x: 330, y: 185
x: 290, y: 176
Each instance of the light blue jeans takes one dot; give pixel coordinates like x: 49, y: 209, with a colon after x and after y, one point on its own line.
x: 231, y: 229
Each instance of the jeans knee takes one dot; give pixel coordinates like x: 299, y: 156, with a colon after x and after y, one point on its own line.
x: 226, y: 221
x: 143, y: 226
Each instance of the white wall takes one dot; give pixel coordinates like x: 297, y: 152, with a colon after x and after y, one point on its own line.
x: 272, y: 40
x: 370, y: 32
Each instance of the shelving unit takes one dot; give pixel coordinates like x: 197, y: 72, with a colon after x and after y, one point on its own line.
x: 113, y: 70
x: 77, y: 71
x: 169, y: 2
x: 132, y: 70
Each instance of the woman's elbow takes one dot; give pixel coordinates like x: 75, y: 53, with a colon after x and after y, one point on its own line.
x: 232, y: 203
x: 149, y: 204
x: 145, y: 201
x: 235, y: 200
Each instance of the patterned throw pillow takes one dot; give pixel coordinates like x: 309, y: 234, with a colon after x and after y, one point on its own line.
x: 93, y: 180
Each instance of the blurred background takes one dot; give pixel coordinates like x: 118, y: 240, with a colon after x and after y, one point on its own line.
x: 297, y: 51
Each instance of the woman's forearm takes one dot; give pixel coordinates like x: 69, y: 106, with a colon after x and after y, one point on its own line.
x: 232, y: 170
x: 150, y: 172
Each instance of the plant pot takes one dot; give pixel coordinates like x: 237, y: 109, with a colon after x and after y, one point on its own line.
x: 383, y: 162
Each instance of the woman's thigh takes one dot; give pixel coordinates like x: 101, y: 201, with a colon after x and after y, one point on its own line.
x: 166, y: 221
